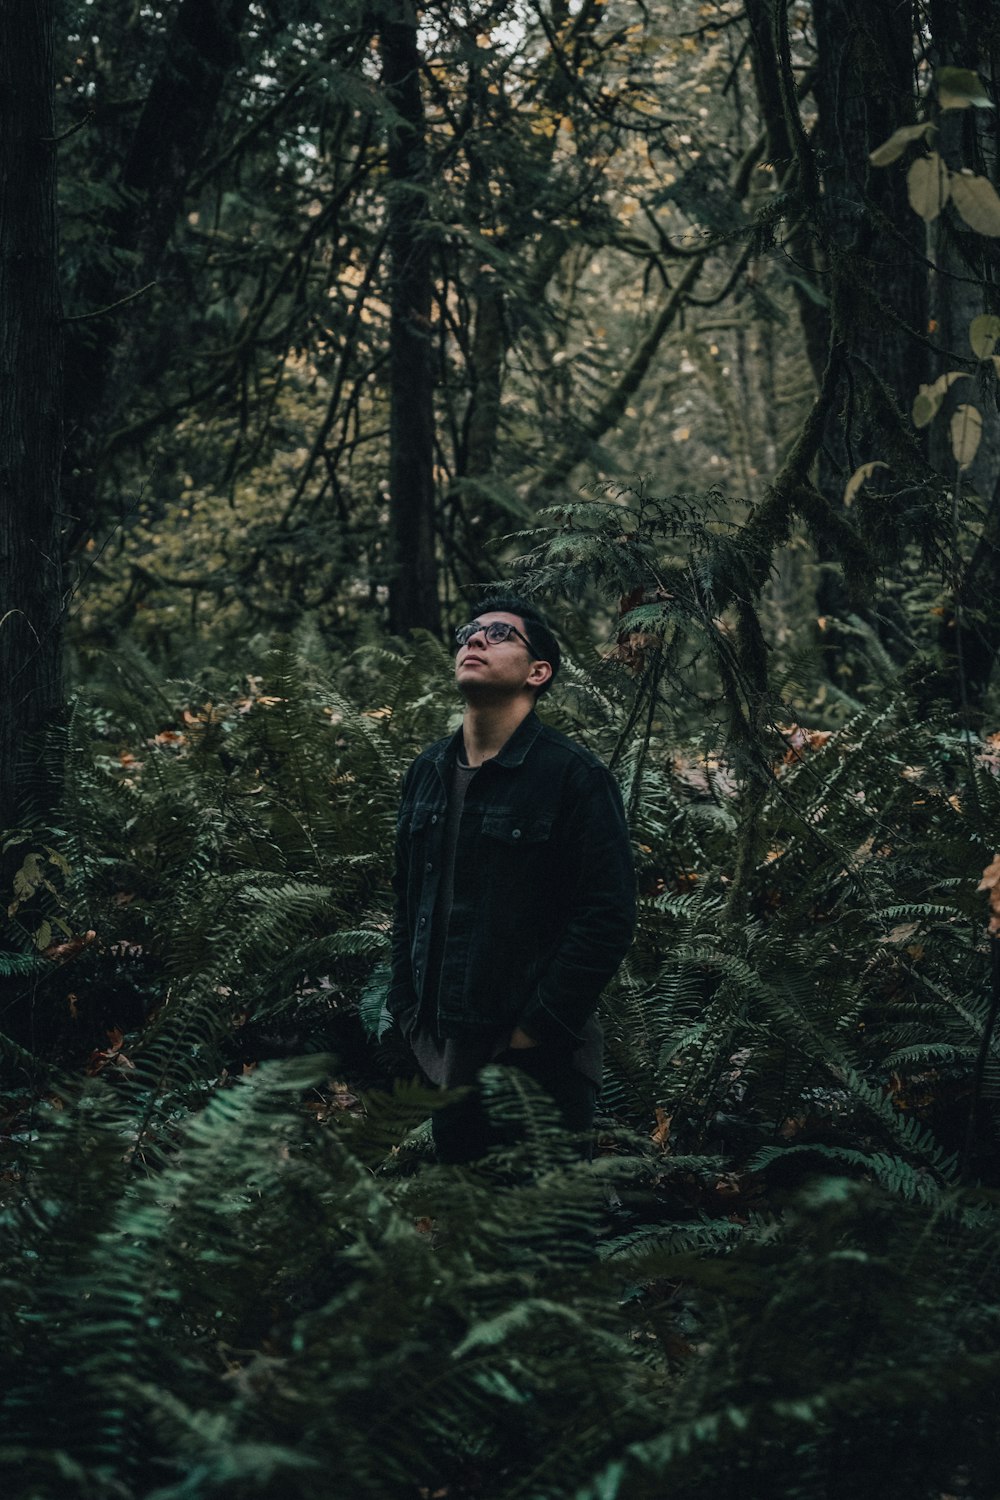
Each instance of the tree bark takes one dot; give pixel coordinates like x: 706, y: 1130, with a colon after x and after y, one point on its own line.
x: 872, y: 240
x: 31, y: 579
x: 413, y: 584
x: 963, y: 285
x: 871, y: 244
x: 104, y: 355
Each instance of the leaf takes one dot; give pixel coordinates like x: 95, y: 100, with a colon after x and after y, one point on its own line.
x: 927, y: 402
x: 57, y: 859
x: 977, y: 202
x: 991, y: 882
x: 893, y: 148
x: 924, y: 409
x: 858, y: 478
x: 983, y: 334
x: 902, y: 934
x: 927, y: 186
x: 661, y: 1135
x: 43, y: 936
x: 966, y: 429
x: 28, y: 878
x: 957, y: 88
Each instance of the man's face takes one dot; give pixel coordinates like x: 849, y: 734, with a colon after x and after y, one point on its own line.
x: 503, y: 670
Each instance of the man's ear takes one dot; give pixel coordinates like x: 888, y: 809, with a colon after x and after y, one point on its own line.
x: 539, y: 675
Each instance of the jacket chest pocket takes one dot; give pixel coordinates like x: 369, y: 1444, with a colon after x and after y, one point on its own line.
x: 423, y: 824
x: 514, y: 830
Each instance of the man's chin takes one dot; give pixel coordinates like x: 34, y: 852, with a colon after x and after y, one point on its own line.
x: 474, y: 690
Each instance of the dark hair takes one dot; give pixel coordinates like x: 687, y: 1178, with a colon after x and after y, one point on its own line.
x: 544, y: 645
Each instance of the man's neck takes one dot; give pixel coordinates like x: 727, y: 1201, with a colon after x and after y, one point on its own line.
x: 487, y: 727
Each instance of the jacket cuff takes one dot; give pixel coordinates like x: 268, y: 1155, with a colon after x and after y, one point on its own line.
x: 401, y: 998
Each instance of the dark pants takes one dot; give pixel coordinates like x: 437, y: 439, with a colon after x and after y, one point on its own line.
x: 467, y: 1128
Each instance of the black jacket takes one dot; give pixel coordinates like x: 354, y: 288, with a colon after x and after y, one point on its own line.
x: 544, y: 897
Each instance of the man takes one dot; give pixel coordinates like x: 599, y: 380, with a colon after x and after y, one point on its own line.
x: 515, y: 892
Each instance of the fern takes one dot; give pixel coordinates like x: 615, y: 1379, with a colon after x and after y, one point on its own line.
x: 246, y: 1288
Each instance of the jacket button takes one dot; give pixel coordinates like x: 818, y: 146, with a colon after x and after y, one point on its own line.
x: 515, y: 833
x: 428, y: 867
x: 434, y: 818
x: 423, y: 921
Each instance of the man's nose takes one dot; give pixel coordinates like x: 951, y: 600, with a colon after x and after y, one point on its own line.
x: 480, y: 631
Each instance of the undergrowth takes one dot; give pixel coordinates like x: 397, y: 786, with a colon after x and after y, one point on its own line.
x: 230, y: 1264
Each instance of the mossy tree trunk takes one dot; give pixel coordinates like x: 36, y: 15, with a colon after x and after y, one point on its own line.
x: 967, y: 35
x: 31, y: 577
x: 875, y: 277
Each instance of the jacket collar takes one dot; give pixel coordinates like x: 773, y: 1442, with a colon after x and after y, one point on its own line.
x: 513, y: 752
x: 521, y: 741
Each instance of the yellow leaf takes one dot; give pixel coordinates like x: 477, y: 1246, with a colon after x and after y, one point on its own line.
x: 927, y: 186
x: 959, y: 87
x: 901, y: 934
x: 977, y: 202
x: 858, y: 478
x: 661, y: 1135
x: 966, y: 429
x: 28, y: 878
x: 983, y: 334
x: 893, y: 148
x: 927, y: 402
x: 544, y: 124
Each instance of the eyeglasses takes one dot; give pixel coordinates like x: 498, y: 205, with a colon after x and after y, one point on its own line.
x: 494, y: 634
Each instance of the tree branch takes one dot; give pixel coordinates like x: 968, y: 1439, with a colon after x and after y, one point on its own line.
x: 611, y: 410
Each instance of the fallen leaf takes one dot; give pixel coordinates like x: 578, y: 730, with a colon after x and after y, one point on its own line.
x: 661, y: 1135
x: 902, y: 933
x: 59, y: 952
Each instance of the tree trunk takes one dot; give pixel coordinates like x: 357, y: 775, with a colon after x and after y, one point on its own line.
x: 413, y: 585
x: 31, y: 580
x: 104, y: 354
x: 963, y: 286
x: 872, y: 243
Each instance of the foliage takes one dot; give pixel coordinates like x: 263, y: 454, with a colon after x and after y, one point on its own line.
x: 239, y: 1280
x: 229, y: 418
x: 230, y: 1265
x: 263, y: 1313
